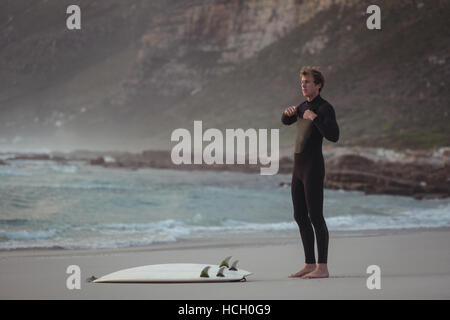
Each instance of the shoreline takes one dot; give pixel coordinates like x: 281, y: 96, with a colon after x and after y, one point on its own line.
x: 413, y: 264
x: 217, y: 240
x: 420, y: 174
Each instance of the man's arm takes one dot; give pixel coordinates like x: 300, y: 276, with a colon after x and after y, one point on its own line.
x: 289, y: 115
x: 326, y: 123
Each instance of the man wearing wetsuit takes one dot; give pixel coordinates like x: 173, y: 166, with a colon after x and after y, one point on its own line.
x: 315, y: 119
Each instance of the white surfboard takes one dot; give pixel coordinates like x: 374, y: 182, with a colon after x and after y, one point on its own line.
x: 177, y: 272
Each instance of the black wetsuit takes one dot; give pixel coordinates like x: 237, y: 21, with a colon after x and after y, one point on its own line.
x: 308, y: 177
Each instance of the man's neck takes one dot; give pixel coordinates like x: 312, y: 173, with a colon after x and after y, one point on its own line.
x: 309, y: 99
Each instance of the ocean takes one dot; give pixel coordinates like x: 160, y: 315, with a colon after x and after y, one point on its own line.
x: 78, y: 206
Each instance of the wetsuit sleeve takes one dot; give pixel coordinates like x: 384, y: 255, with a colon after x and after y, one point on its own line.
x: 326, y: 123
x: 289, y: 120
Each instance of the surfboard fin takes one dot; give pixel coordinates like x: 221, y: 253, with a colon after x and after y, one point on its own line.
x: 204, y: 273
x: 225, y: 262
x: 220, y: 272
x: 234, y: 266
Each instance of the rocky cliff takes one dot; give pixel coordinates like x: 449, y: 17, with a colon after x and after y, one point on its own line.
x: 139, y: 69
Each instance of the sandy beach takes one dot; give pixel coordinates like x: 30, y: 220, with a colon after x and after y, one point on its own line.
x: 414, y: 264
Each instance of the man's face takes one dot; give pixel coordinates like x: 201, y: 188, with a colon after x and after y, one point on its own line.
x: 309, y: 88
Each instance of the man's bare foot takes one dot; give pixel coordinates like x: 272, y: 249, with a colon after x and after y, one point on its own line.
x: 321, y: 271
x: 307, y: 269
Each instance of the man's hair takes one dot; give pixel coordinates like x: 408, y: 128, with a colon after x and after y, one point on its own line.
x: 317, y: 75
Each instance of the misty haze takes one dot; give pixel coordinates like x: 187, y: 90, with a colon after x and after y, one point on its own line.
x: 137, y: 70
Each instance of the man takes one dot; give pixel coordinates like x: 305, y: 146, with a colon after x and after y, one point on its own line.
x: 315, y: 119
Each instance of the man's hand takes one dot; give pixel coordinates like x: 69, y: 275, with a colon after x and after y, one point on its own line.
x: 308, y: 114
x: 290, y: 111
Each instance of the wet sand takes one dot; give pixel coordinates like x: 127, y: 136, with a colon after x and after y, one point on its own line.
x: 414, y: 264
